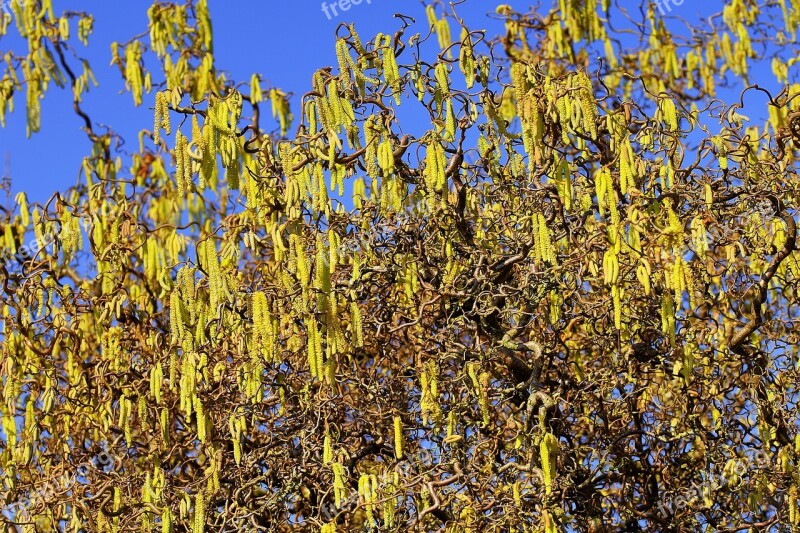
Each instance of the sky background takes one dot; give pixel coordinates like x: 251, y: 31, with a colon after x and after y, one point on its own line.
x: 286, y: 42
x: 283, y: 41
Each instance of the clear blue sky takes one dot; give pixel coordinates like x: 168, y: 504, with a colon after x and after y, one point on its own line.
x: 285, y: 42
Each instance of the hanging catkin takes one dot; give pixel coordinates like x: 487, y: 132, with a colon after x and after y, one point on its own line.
x: 200, y: 416
x: 156, y: 377
x: 188, y: 386
x: 343, y: 59
x: 263, y: 327
x: 371, y: 143
x: 368, y: 491
x: 199, y: 523
x: 161, y: 117
x: 386, y: 157
x: 327, y: 449
x: 466, y: 59
x: 176, y: 317
x: 165, y: 427
x: 356, y: 326
x: 588, y: 105
x: 166, y: 521
x: 314, y: 348
x: 216, y: 282
x: 434, y: 172
x: 391, y: 70
x: 398, y: 437
x: 548, y: 448
x: 183, y: 164
x: 256, y: 95
x: 449, y: 121
x: 339, y: 486
x: 669, y: 113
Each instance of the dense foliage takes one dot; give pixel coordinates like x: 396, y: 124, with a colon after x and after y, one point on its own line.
x: 569, y: 305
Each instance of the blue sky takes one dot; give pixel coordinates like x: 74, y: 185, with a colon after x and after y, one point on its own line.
x: 283, y: 41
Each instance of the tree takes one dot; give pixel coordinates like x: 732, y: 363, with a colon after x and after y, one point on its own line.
x: 569, y: 305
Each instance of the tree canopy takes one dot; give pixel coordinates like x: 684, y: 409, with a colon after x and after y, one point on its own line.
x: 567, y: 303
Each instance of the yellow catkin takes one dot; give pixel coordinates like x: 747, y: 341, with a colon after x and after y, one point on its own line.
x: 485, y: 378
x: 398, y: 437
x: 616, y: 295
x: 670, y: 113
x: 699, y: 239
x: 466, y: 60
x: 197, y: 136
x: 386, y: 157
x: 563, y: 183
x: 356, y: 325
x: 256, y: 95
x: 430, y: 12
x: 643, y: 275
x: 327, y: 120
x: 157, y: 119
x: 156, y: 376
x: 263, y: 333
x: 442, y: 78
x: 339, y: 487
x: 588, y: 106
x: 320, y: 362
x: 435, y: 179
x: 443, y: 33
x: 327, y: 450
x: 517, y: 493
x: 548, y: 448
x: 166, y: 521
x: 334, y: 249
x: 342, y: 57
x: 602, y: 184
x: 165, y: 427
x: 368, y: 490
x: 449, y: 121
x: 549, y: 523
x: 544, y: 240
x: 562, y: 106
x: 336, y: 106
x: 208, y: 164
x: 391, y: 70
x: 215, y: 279
x: 181, y: 161
x: 371, y: 142
x: 200, y: 415
x: 314, y: 348
x: 199, y: 524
